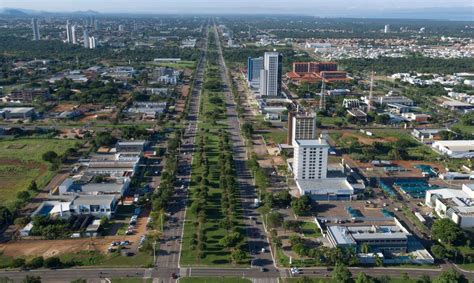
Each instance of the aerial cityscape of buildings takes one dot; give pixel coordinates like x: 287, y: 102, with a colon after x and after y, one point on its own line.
x: 234, y: 147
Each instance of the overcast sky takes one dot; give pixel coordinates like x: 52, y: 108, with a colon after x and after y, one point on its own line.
x: 318, y: 7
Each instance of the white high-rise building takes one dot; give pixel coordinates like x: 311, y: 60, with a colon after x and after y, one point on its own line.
x: 310, y: 160
x: 68, y: 32
x: 92, y: 42
x: 272, y: 65
x: 35, y: 27
x: 86, y: 38
x: 73, y: 34
x: 386, y: 29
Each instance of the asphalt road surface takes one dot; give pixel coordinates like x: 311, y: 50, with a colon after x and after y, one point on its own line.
x: 170, y: 244
x: 256, y: 235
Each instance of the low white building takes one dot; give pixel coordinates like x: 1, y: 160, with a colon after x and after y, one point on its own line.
x: 457, y: 205
x: 326, y: 189
x: 455, y: 148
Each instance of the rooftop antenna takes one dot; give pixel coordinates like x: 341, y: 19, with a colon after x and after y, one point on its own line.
x: 371, y: 95
x: 322, y: 100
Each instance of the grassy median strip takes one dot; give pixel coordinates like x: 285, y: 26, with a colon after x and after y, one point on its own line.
x: 213, y: 231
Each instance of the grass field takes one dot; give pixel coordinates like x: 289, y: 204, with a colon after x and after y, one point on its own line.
x: 21, y: 162
x: 214, y: 280
x: 275, y: 136
x: 310, y: 230
x: 131, y: 280
x: 177, y: 65
x: 90, y: 258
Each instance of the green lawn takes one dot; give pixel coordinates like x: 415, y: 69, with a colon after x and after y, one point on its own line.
x: 86, y: 258
x: 275, y: 136
x: 177, y: 65
x: 214, y: 280
x: 310, y: 229
x: 213, y: 253
x: 131, y: 280
x: 21, y: 162
x: 467, y: 266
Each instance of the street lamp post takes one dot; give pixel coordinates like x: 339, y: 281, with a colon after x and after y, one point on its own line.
x: 154, y: 252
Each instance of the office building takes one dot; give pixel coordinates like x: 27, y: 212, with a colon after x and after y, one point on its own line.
x: 35, y: 27
x: 254, y: 67
x: 270, y: 76
x: 96, y: 25
x: 457, y: 205
x: 386, y: 29
x: 73, y: 34
x: 86, y: 38
x: 92, y: 44
x: 390, y: 238
x: 121, y: 28
x: 68, y: 32
x: 301, y: 126
x: 310, y: 159
x: 302, y: 68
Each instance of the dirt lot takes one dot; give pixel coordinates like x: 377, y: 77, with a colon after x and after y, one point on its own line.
x: 48, y: 248
x: 64, y: 107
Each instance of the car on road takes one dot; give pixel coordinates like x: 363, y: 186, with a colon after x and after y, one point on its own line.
x: 263, y: 269
x: 295, y: 270
x: 174, y: 275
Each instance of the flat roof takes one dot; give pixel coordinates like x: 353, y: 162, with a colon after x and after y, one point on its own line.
x: 93, y: 200
x: 349, y: 235
x: 17, y: 109
x: 338, y: 186
x: 456, y: 145
x: 316, y: 142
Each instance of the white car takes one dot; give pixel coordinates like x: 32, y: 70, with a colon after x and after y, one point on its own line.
x: 294, y: 270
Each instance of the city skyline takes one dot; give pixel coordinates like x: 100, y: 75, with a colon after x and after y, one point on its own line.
x: 365, y: 8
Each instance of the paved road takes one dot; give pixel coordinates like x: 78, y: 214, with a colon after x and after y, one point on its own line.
x: 256, y: 235
x: 170, y: 244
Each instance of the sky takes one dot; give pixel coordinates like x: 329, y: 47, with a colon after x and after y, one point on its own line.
x: 313, y: 7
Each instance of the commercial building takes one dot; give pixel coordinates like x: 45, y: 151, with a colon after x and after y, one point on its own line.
x: 455, y: 148
x: 310, y: 159
x: 27, y: 95
x: 85, y: 38
x: 457, y: 205
x: 270, y: 76
x: 17, y: 113
x: 386, y: 29
x: 326, y: 189
x: 301, y: 126
x: 392, y: 239
x: 98, y: 206
x: 302, y: 68
x: 113, y: 187
x: 35, y: 27
x: 131, y: 146
x: 73, y: 34
x: 92, y: 42
x: 68, y: 32
x: 316, y: 71
x: 254, y: 67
